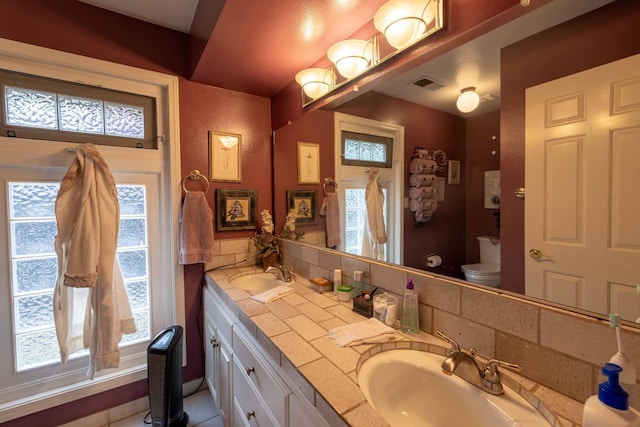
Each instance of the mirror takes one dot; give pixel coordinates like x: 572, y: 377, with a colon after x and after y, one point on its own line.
x: 551, y: 46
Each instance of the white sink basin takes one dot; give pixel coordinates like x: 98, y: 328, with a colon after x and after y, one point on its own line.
x: 408, y: 388
x: 258, y: 282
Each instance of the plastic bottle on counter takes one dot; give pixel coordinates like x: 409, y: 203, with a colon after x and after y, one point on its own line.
x: 337, y: 280
x: 610, y: 407
x: 409, y: 322
x: 358, y: 286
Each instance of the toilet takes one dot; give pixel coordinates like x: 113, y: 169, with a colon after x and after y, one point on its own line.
x: 487, y: 271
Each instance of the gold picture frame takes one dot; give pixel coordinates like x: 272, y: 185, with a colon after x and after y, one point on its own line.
x: 225, y: 163
x: 308, y: 163
x: 454, y: 172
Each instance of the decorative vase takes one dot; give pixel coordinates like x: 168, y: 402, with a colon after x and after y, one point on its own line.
x: 269, y: 260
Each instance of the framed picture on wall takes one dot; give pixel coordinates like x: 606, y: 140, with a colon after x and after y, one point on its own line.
x: 225, y: 157
x: 308, y: 163
x: 236, y: 210
x: 303, y: 204
x: 438, y: 184
x: 454, y: 172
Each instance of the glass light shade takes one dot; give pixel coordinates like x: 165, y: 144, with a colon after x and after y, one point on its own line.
x: 351, y: 57
x: 228, y: 142
x: 315, y: 82
x: 404, y: 21
x: 468, y: 100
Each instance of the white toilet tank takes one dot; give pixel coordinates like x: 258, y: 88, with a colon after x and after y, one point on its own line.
x: 489, y: 250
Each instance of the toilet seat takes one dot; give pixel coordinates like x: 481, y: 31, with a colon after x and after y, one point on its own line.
x: 483, y: 273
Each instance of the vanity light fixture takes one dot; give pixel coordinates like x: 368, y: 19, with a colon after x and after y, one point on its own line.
x: 351, y: 57
x: 404, y: 21
x: 468, y: 100
x: 316, y: 82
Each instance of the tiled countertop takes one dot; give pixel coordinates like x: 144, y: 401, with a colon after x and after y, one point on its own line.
x: 293, y: 330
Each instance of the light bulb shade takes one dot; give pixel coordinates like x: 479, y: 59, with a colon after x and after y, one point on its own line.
x: 351, y: 57
x: 404, y: 21
x: 468, y: 100
x: 315, y: 82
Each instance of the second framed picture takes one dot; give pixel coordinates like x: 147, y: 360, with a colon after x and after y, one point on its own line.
x: 236, y: 210
x: 308, y: 163
x: 225, y: 157
x: 303, y: 204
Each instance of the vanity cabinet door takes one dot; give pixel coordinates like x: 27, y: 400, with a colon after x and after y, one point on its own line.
x: 218, y: 356
x: 302, y: 414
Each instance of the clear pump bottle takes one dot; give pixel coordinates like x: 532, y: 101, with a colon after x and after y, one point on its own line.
x: 409, y: 322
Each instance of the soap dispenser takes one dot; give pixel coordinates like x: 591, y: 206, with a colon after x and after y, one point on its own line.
x: 610, y: 407
x: 409, y: 322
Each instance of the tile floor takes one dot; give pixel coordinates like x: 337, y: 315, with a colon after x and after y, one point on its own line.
x: 199, y: 406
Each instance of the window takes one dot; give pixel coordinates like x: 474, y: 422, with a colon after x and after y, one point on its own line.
x: 51, y: 109
x: 31, y: 168
x: 360, y: 149
x: 364, y: 143
x: 34, y: 267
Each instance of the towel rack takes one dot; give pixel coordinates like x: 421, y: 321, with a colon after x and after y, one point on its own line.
x: 329, y: 181
x: 195, y: 175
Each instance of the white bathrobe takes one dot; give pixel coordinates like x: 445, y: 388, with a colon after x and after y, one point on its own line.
x: 91, y: 307
x: 374, y: 236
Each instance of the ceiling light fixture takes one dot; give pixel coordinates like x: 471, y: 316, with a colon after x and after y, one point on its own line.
x: 468, y: 100
x: 316, y: 82
x: 404, y: 21
x: 352, y: 57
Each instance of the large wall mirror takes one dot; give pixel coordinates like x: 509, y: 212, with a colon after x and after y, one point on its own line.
x: 559, y: 39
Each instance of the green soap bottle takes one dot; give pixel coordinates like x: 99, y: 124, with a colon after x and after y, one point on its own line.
x: 409, y: 322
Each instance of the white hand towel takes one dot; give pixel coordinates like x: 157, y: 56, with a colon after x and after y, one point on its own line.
x: 273, y: 294
x: 366, y: 332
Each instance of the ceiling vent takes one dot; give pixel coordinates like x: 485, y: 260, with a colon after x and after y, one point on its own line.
x: 487, y: 97
x: 428, y: 83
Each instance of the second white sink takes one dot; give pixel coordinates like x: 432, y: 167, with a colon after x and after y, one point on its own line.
x: 408, y: 388
x: 258, y: 282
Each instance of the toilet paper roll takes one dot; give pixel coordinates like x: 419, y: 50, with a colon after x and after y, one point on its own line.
x: 434, y: 261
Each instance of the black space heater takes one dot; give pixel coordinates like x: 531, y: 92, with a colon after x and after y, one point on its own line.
x: 164, y: 373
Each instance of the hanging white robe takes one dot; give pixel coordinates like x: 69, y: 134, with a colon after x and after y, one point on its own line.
x: 374, y: 236
x: 91, y: 307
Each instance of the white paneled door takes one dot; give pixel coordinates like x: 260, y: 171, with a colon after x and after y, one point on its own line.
x: 582, y: 179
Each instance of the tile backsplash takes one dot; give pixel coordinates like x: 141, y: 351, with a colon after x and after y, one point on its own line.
x: 558, y: 349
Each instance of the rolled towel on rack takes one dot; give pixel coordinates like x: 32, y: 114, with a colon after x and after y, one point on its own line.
x: 422, y: 166
x: 419, y: 193
x: 428, y: 205
x: 417, y: 180
x: 423, y: 216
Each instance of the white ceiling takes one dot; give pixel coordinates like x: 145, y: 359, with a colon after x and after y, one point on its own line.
x: 174, y: 14
x: 477, y: 63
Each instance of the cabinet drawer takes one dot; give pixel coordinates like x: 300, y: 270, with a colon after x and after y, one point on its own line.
x: 249, y: 409
x: 255, y: 368
x: 220, y: 315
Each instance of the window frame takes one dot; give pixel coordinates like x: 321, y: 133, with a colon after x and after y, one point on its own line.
x: 350, y: 176
x: 387, y: 141
x: 58, y: 87
x: 55, y: 157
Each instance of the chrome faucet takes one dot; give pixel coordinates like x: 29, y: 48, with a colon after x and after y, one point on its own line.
x: 464, y: 364
x: 282, y: 273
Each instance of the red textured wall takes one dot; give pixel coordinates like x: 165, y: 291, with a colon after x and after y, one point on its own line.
x: 602, y: 36
x: 317, y: 128
x: 479, y: 147
x: 72, y: 26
